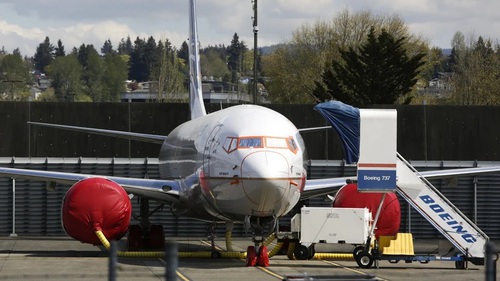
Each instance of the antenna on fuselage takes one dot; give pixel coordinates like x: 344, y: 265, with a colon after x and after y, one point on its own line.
x: 196, y: 105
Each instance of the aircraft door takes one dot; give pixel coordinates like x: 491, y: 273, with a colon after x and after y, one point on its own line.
x: 211, y: 148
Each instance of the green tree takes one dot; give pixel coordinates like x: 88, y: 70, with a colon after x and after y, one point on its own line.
x: 183, y: 52
x: 14, y: 77
x: 167, y: 73
x: 140, y: 59
x: 125, y: 47
x: 476, y: 67
x: 236, y: 52
x: 107, y: 47
x: 17, y: 52
x: 44, y: 54
x: 292, y: 68
x: 115, y: 73
x: 213, y: 63
x: 93, y: 72
x: 66, y: 73
x: 381, y: 72
x: 59, y: 50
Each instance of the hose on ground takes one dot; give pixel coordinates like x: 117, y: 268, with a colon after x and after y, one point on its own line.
x: 158, y: 254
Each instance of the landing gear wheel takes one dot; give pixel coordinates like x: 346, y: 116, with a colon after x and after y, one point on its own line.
x: 301, y: 252
x: 357, y: 250
x: 156, y: 237
x: 364, y: 259
x: 460, y: 265
x: 215, y: 254
x: 135, y: 241
x: 312, y: 252
x: 251, y: 256
x: 263, y: 257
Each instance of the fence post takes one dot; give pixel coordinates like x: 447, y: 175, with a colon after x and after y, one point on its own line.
x: 113, y: 259
x: 13, y: 234
x: 491, y: 261
x: 172, y: 260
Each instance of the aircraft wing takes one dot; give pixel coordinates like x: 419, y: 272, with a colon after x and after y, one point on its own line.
x: 158, y: 139
x: 318, y: 187
x: 439, y: 174
x: 162, y: 190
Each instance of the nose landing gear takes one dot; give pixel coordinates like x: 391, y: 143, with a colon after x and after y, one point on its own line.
x: 260, y: 257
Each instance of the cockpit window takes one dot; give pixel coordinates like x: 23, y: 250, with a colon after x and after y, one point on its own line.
x: 250, y: 142
x: 276, y: 142
x: 230, y: 145
x: 292, y: 145
x: 233, y: 143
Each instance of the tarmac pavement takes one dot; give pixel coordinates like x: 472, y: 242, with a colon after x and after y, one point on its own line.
x: 62, y: 258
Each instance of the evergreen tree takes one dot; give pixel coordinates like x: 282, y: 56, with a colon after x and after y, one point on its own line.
x: 17, y: 52
x: 107, y: 47
x: 142, y: 59
x: 236, y: 53
x: 84, y: 52
x: 137, y: 68
x: 183, y: 52
x: 125, y: 46
x: 151, y: 56
x: 379, y: 73
x: 59, y: 50
x: 44, y: 54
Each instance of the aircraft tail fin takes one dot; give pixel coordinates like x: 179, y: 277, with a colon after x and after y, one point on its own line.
x: 196, y: 105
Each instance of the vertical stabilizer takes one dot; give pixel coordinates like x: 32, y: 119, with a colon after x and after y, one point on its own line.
x: 195, y: 92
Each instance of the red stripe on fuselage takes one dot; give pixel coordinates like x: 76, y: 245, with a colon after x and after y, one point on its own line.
x: 370, y: 165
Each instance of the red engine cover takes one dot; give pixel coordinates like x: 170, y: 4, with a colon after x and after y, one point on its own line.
x: 390, y: 215
x: 96, y: 204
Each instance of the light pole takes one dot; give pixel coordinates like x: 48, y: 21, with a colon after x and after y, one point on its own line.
x: 255, y: 31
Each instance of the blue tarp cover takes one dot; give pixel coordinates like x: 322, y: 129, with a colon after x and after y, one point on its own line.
x: 345, y: 120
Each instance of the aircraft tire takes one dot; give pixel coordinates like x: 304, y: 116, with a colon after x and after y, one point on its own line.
x: 251, y: 256
x: 364, y: 259
x: 301, y: 252
x: 357, y: 250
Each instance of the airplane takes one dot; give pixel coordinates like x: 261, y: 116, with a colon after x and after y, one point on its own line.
x: 243, y: 164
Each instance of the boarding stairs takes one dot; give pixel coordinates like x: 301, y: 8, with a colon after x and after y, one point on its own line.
x: 440, y: 212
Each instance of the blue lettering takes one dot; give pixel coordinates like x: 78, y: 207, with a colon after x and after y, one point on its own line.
x: 469, y: 238
x: 427, y: 199
x: 459, y: 229
x: 448, y: 219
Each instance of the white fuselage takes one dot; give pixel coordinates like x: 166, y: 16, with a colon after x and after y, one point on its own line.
x: 239, y: 162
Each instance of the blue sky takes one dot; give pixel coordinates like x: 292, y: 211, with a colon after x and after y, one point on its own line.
x: 25, y: 23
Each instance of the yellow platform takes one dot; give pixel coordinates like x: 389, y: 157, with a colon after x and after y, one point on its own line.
x: 401, y: 244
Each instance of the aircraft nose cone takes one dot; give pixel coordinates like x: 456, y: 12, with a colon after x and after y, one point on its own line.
x: 264, y: 164
x: 265, y: 181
